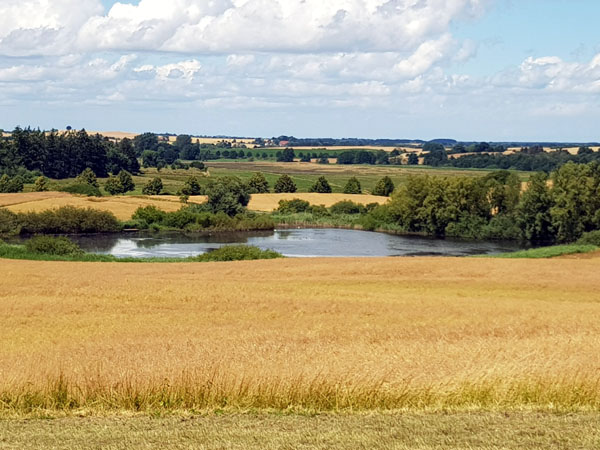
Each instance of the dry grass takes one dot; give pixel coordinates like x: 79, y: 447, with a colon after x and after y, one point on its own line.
x: 269, y: 202
x: 319, y: 334
x: 523, y: 431
x: 122, y: 207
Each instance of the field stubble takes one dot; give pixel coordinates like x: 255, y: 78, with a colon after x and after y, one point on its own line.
x: 301, y: 335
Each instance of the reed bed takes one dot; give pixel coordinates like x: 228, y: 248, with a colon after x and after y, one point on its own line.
x: 301, y: 335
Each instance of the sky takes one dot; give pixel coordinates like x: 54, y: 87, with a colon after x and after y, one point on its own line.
x: 473, y: 70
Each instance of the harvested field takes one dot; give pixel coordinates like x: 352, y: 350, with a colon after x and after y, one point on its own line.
x: 122, y: 207
x: 311, y: 335
x: 269, y: 202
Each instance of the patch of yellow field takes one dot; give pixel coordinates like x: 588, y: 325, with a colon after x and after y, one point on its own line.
x: 122, y: 207
x: 322, y: 333
x: 269, y: 202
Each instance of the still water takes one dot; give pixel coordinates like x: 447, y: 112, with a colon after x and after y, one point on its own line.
x: 309, y: 242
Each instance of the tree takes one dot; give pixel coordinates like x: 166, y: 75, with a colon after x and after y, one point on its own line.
x: 353, y: 186
x: 321, y: 186
x: 228, y: 194
x: 126, y: 181
x: 191, y: 187
x: 384, y: 187
x: 285, y: 184
x: 41, y: 184
x: 11, y: 185
x: 88, y: 177
x: 113, y: 185
x: 258, y: 184
x: 533, y: 212
x: 435, y: 154
x: 287, y: 155
x: 153, y: 187
x: 413, y: 159
x: 127, y: 149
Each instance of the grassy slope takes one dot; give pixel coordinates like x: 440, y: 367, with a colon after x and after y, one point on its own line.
x: 524, y: 431
x: 548, y: 252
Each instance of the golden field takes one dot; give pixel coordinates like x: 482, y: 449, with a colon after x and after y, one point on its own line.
x: 123, y: 207
x: 301, y: 334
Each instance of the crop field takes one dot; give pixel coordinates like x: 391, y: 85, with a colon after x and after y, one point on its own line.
x: 417, y: 334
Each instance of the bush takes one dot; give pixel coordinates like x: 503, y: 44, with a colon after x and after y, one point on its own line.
x: 321, y: 186
x: 68, y: 219
x: 11, y: 185
x: 285, y: 184
x: 353, y: 186
x: 237, y: 253
x: 153, y: 187
x: 8, y: 222
x: 41, y: 184
x: 590, y: 238
x: 319, y: 211
x: 228, y: 194
x: 258, y: 184
x: 81, y: 189
x: 53, y: 246
x: 192, y: 186
x: 197, y: 165
x: 384, y: 187
x: 347, y: 207
x: 149, y: 214
x: 87, y: 177
x: 293, y: 206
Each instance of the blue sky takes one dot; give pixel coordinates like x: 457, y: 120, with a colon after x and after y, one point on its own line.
x: 467, y: 69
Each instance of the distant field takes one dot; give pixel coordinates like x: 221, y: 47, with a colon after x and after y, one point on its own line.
x: 460, y: 334
x: 123, y: 207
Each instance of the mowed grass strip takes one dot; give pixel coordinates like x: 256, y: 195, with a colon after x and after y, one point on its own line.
x: 488, y: 431
x: 310, y: 335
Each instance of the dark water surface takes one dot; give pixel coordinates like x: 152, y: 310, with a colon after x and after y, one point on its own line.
x: 308, y: 242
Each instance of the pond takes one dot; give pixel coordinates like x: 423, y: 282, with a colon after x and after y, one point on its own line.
x: 307, y: 242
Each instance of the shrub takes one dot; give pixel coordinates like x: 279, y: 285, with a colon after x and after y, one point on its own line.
x: 319, y: 211
x: 81, y: 189
x: 237, y: 253
x: 590, y: 238
x: 321, y: 186
x: 11, y: 185
x: 41, y: 184
x: 153, y: 187
x: 353, y: 186
x: 87, y: 177
x: 293, y: 206
x: 192, y: 187
x: 347, y: 207
x: 228, y: 194
x: 179, y: 219
x: 8, y: 222
x: 384, y: 187
x: 53, y: 246
x: 68, y: 219
x: 258, y: 184
x: 285, y: 184
x: 197, y: 165
x: 149, y: 214
x: 113, y: 186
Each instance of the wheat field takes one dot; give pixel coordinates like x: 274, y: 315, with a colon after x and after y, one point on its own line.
x: 301, y: 335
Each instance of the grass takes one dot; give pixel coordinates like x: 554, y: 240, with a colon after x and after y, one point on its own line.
x: 317, y: 335
x: 226, y: 253
x: 520, y: 430
x: 549, y: 252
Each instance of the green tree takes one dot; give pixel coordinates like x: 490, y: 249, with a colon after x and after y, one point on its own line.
x: 321, y: 186
x: 287, y: 155
x: 435, y: 154
x: 285, y: 184
x: 228, y: 194
x: 533, y: 211
x: 258, y: 184
x: 153, y: 187
x: 384, y: 187
x: 88, y: 177
x: 353, y: 186
x: 41, y: 184
x: 113, y: 185
x: 192, y: 186
x: 126, y: 181
x: 413, y: 159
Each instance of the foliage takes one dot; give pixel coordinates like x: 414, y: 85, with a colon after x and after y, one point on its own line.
x: 285, y: 184
x: 237, y: 253
x: 533, y: 212
x: 549, y: 252
x: 81, y: 189
x: 87, y: 177
x: 41, y: 184
x: 228, y: 194
x: 149, y: 214
x: 293, y: 206
x: 384, y: 187
x: 67, y: 219
x: 321, y: 186
x: 53, y: 246
x: 119, y: 184
x: 258, y: 184
x: 353, y: 186
x: 192, y: 186
x: 435, y: 154
x: 9, y: 223
x: 153, y: 187
x: 287, y: 155
x: 11, y: 185
x: 590, y: 238
x: 347, y: 207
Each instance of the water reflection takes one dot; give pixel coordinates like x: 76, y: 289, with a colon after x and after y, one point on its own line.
x: 293, y: 243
